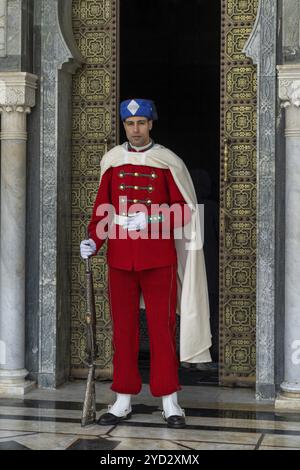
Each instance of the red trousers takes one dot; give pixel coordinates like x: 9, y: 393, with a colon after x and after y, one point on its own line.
x: 159, y: 288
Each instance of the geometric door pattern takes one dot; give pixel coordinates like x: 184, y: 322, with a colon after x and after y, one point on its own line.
x: 95, y: 98
x: 95, y: 126
x: 237, y: 197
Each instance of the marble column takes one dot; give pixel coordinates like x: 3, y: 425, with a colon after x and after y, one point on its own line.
x: 289, y: 94
x: 17, y: 97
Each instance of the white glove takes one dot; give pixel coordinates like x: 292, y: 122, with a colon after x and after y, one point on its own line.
x: 135, y: 221
x: 87, y: 248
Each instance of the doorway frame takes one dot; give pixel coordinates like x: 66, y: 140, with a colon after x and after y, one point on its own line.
x: 261, y: 47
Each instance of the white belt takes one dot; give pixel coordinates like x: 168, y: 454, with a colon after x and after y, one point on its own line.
x: 121, y: 219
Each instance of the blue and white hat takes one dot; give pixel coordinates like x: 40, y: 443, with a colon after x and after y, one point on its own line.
x: 138, y: 107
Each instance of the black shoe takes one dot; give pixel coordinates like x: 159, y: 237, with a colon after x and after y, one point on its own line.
x: 108, y: 419
x: 175, y: 421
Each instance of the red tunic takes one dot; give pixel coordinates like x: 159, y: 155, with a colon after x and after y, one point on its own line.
x: 146, y: 185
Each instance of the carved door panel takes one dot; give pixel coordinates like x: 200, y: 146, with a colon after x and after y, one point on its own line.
x: 237, y: 197
x: 95, y: 121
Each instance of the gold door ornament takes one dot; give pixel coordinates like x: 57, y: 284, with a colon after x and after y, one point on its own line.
x: 237, y: 197
x: 95, y: 126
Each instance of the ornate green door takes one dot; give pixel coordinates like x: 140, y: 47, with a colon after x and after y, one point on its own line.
x: 237, y: 197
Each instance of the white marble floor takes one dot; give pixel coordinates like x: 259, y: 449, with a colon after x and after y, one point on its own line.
x: 217, y: 418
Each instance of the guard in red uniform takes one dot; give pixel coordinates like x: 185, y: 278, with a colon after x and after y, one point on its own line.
x: 142, y: 260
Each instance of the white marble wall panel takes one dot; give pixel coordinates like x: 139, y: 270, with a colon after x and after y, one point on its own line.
x: 3, y: 21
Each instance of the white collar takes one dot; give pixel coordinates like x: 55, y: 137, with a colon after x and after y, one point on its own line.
x: 140, y: 149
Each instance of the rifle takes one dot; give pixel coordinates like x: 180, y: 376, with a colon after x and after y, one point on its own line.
x: 89, y: 405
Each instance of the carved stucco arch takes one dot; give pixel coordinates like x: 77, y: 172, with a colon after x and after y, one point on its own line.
x: 72, y: 53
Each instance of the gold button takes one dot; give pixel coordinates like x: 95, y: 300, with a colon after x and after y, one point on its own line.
x: 122, y: 187
x: 136, y: 187
x: 149, y: 201
x: 150, y: 188
x: 153, y: 175
x: 136, y: 174
x: 121, y: 174
x: 135, y: 201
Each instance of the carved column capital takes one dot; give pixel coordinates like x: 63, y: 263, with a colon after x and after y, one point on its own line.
x: 17, y: 97
x: 289, y: 85
x: 289, y: 94
x: 17, y: 90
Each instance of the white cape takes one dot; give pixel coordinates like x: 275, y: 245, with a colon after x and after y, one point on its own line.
x: 192, y: 297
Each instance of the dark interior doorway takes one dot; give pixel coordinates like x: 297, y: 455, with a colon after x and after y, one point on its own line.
x: 170, y: 52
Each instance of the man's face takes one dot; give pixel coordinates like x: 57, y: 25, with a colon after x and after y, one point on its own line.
x: 138, y: 130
